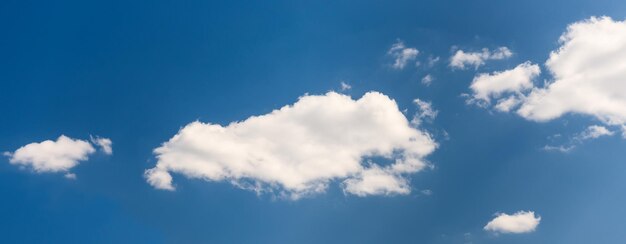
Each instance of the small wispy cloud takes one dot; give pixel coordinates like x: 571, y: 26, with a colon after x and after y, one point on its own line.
x: 345, y: 86
x: 427, y: 80
x: 401, y: 54
x: 517, y: 223
x: 590, y: 133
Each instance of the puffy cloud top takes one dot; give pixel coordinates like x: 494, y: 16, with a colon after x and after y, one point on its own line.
x: 52, y: 156
x: 589, y: 71
x: 517, y: 223
x: 300, y: 148
x: 588, y: 77
x: 494, y: 85
x: 462, y: 59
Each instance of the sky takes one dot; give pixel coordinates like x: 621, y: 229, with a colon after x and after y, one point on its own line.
x: 443, y: 121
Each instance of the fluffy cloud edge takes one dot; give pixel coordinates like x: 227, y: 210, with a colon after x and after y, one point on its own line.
x: 462, y: 59
x: 488, y: 86
x: 517, y: 223
x: 398, y: 141
x: 401, y: 54
x: 50, y: 156
x: 586, y: 79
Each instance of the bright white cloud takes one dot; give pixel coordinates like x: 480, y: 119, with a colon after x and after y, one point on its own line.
x: 401, y: 54
x: 520, y: 222
x: 376, y: 181
x: 104, y: 143
x: 427, y: 192
x: 299, y: 149
x: 589, y: 74
x: 494, y: 85
x: 52, y: 156
x: 462, y: 59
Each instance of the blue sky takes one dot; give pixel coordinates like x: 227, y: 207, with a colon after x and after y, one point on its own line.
x: 138, y: 72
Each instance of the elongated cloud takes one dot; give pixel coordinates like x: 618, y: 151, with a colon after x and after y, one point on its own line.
x: 301, y: 148
x: 53, y: 156
x: 517, y: 223
x: 593, y: 132
x: 462, y: 59
x: 494, y: 85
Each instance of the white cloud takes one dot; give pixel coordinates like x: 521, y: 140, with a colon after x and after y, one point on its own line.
x: 376, y: 181
x: 520, y: 222
x: 159, y: 178
x: 103, y: 143
x: 425, y: 112
x: 588, y: 77
x: 462, y: 59
x: 506, y: 104
x: 52, y: 156
x: 427, y: 80
x: 589, y: 74
x: 299, y: 149
x: 516, y: 80
x: 593, y: 132
x: 401, y: 54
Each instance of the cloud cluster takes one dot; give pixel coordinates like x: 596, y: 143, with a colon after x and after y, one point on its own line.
x: 517, y: 223
x: 588, y: 76
x: 560, y: 148
x: 462, y: 59
x: 301, y: 148
x: 55, y: 156
x: 401, y: 54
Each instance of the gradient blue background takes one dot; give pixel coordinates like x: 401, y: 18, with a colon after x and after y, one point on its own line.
x: 136, y: 71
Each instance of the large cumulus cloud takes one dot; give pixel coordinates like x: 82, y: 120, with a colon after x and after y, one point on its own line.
x: 587, y: 77
x: 301, y: 148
